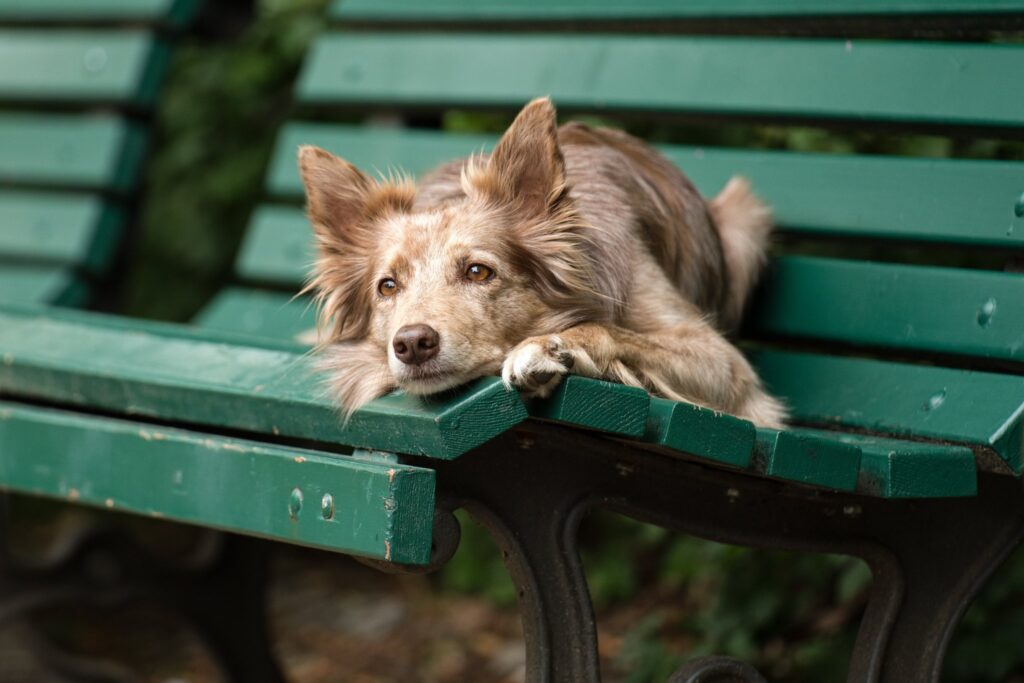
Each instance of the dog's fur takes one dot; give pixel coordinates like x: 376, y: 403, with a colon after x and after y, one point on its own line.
x: 606, y: 260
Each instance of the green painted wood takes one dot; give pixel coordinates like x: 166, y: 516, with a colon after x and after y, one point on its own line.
x: 806, y: 459
x: 258, y: 312
x: 84, y: 152
x: 970, y: 312
x: 70, y: 229
x: 975, y: 408
x: 113, y: 67
x: 591, y: 403
x: 22, y: 283
x: 278, y: 247
x: 700, y: 432
x: 908, y: 469
x: 380, y: 511
x: 171, y: 373
x: 935, y: 200
x: 597, y: 10
x: 175, y: 12
x: 937, y: 83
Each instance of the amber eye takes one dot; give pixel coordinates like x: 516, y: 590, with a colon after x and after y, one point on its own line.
x: 387, y: 287
x: 478, y: 273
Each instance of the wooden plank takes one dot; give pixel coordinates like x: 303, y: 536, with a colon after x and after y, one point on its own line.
x: 891, y: 468
x: 604, y: 10
x: 277, y: 248
x: 380, y: 511
x: 806, y: 459
x: 22, y: 283
x: 174, y: 12
x: 971, y: 312
x: 99, y: 66
x: 168, y: 372
x: 68, y: 229
x: 934, y: 200
x: 258, y: 312
x: 83, y: 152
x: 590, y: 403
x: 979, y: 409
x: 934, y: 83
x: 700, y: 432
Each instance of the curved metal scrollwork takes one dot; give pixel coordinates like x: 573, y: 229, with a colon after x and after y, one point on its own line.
x: 716, y: 670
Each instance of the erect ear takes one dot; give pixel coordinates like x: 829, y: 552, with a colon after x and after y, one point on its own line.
x: 527, y: 165
x: 340, y: 197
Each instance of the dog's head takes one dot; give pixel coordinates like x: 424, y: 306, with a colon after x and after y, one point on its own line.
x: 443, y: 289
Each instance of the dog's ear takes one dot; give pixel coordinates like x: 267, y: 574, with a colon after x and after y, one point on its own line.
x: 527, y: 165
x: 340, y: 197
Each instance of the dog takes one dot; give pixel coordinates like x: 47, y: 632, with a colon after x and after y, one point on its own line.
x: 571, y: 249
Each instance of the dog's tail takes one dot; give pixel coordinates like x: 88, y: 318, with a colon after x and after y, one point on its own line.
x: 744, y: 225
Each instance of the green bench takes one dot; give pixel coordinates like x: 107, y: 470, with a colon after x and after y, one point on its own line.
x: 904, y: 374
x: 76, y: 83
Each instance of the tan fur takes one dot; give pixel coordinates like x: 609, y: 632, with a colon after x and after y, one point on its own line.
x: 606, y: 261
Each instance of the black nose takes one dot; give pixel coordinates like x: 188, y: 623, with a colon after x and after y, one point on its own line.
x: 416, y: 344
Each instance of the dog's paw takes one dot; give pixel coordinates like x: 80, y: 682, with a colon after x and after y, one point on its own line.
x: 537, y: 365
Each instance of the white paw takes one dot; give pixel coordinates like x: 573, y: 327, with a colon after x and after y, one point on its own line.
x: 537, y: 365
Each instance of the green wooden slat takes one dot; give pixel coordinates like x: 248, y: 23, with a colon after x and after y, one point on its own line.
x: 87, y: 152
x: 594, y: 404
x: 590, y: 10
x: 278, y: 247
x: 170, y: 373
x: 907, y: 469
x: 936, y: 200
x: 116, y: 67
x: 975, y: 408
x: 948, y: 310
x: 939, y: 83
x: 22, y: 283
x: 700, y: 432
x: 68, y: 11
x: 806, y: 459
x: 258, y: 312
x: 380, y: 511
x: 70, y: 229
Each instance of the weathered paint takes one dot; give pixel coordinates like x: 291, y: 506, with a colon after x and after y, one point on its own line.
x: 700, y: 432
x: 590, y: 403
x: 385, y: 512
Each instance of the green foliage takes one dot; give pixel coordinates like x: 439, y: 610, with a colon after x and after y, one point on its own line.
x: 223, y: 103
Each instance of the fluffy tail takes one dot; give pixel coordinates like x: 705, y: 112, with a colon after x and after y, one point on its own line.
x: 744, y: 225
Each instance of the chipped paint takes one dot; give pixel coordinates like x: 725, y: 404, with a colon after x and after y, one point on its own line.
x: 391, y: 475
x: 299, y: 459
x: 228, y: 446
x: 109, y: 502
x: 8, y: 358
x: 73, y: 494
x: 145, y: 436
x: 387, y: 550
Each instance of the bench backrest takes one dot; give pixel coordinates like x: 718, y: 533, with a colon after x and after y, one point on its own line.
x: 885, y: 256
x: 77, y: 82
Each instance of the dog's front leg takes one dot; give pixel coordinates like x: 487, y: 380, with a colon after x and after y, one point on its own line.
x: 689, y: 361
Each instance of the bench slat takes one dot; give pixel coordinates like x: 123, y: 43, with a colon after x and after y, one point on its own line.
x: 594, y: 404
x: 116, y: 67
x: 934, y: 200
x: 891, y: 468
x: 261, y: 313
x: 381, y: 511
x: 95, y: 152
x: 935, y: 83
x: 22, y: 283
x: 277, y: 248
x: 171, y: 373
x: 590, y: 10
x: 807, y: 459
x: 947, y: 310
x: 67, y: 229
x: 979, y: 409
x: 174, y: 12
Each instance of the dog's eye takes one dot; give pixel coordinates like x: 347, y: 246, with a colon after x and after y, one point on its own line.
x: 387, y: 287
x: 478, y: 273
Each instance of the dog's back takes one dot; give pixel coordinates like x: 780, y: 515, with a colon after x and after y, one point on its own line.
x: 633, y: 197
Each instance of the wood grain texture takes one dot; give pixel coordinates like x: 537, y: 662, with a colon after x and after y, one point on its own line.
x: 380, y: 511
x: 593, y: 404
x: 700, y: 432
x: 806, y: 459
